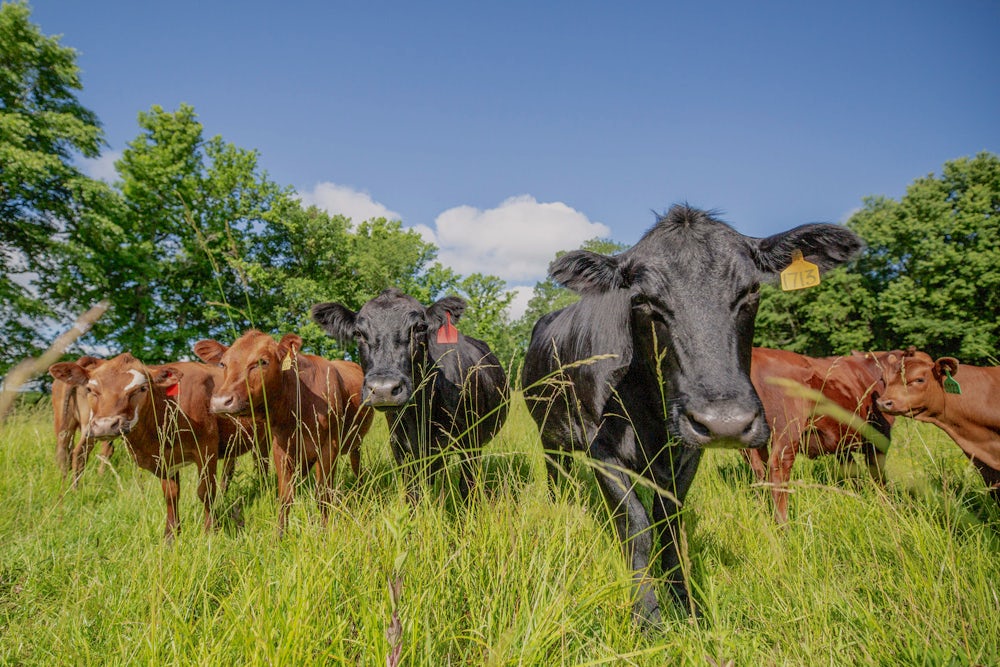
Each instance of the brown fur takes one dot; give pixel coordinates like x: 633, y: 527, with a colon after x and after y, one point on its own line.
x: 852, y: 383
x: 312, y: 408
x: 128, y: 399
x: 915, y: 388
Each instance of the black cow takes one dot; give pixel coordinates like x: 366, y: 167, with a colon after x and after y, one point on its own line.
x: 434, y: 384
x: 653, y: 364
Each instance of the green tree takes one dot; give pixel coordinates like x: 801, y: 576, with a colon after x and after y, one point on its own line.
x: 486, y: 316
x: 167, y: 245
x: 831, y: 318
x: 43, y: 128
x: 933, y: 262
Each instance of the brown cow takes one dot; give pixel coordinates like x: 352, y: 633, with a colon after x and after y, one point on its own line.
x: 851, y: 383
x: 161, y: 412
x: 71, y: 414
x: 924, y: 389
x: 312, y: 407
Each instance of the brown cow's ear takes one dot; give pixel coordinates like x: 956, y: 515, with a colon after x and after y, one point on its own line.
x: 70, y: 373
x: 210, y: 351
x: 289, y: 343
x: 164, y: 376
x: 946, y: 365
x: 89, y: 362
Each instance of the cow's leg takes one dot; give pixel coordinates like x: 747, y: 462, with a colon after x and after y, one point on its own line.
x: 207, y: 489
x: 225, y: 477
x: 81, y: 452
x: 781, y: 462
x: 171, y: 491
x: 63, y: 438
x: 674, y: 476
x: 757, y: 458
x: 285, y: 468
x: 104, y: 458
x: 633, y: 527
x: 326, y: 468
x: 468, y: 479
x: 876, y: 463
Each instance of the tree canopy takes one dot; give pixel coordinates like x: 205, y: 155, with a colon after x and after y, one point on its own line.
x: 43, y: 128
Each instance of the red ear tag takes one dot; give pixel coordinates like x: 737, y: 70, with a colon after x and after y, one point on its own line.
x: 447, y: 334
x: 174, y: 390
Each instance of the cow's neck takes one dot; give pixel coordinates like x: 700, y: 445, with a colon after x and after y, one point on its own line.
x: 968, y: 418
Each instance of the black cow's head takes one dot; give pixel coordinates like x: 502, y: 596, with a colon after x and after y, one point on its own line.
x: 392, y: 332
x: 692, y: 286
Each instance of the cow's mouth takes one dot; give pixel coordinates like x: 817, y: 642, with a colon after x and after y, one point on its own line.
x: 229, y: 405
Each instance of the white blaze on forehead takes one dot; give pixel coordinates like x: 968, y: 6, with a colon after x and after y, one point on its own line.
x: 138, y: 379
x: 93, y: 382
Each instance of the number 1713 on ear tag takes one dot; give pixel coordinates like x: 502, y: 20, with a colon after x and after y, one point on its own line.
x: 800, y: 274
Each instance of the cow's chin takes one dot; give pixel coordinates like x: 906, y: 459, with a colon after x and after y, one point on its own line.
x: 106, y: 435
x: 237, y: 409
x: 387, y: 406
x: 906, y: 412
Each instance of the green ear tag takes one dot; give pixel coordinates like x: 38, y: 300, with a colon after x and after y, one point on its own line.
x: 951, y: 385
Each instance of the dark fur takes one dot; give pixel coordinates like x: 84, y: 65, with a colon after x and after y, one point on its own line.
x: 448, y: 392
x: 675, y: 313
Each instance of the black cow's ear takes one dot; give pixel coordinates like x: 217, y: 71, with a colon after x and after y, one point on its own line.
x: 588, y: 272
x: 826, y: 246
x: 337, y: 320
x: 449, y: 304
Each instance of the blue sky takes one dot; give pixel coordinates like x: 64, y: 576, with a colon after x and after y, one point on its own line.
x: 507, y: 131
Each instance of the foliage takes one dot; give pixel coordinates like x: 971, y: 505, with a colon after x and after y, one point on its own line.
x: 43, y: 127
x: 933, y: 261
x: 486, y: 317
x: 832, y: 318
x: 930, y: 275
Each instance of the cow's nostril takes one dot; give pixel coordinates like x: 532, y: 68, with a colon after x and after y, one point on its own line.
x: 397, y: 389
x: 698, y: 427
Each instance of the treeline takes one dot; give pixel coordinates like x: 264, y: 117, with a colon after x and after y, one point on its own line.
x: 194, y: 240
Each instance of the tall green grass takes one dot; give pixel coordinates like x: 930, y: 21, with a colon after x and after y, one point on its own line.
x: 908, y: 575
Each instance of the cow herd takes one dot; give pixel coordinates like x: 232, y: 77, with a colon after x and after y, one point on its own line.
x: 650, y: 366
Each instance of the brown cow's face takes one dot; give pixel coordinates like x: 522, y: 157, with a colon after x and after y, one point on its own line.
x: 251, y: 368
x: 913, y: 384
x: 118, y: 391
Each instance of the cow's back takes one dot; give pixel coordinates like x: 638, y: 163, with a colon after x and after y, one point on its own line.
x: 470, y: 392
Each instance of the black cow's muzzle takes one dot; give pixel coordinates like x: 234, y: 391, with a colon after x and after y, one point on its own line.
x: 727, y: 424
x: 385, y: 391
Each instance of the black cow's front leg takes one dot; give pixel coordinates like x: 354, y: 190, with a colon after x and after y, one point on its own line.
x: 633, y: 528
x: 673, y: 475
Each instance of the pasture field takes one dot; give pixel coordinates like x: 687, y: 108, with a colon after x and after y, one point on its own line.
x: 905, y: 576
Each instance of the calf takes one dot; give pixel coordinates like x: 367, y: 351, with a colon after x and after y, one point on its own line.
x: 958, y: 398
x: 71, y: 414
x: 652, y: 365
x: 851, y: 383
x: 434, y: 384
x: 161, y: 412
x: 311, y: 406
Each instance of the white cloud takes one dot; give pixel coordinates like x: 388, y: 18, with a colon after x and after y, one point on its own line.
x: 102, y: 168
x: 515, y: 241
x: 519, y: 305
x: 344, y: 200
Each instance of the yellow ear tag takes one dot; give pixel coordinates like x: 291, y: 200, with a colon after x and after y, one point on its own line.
x: 800, y: 274
x: 286, y: 363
